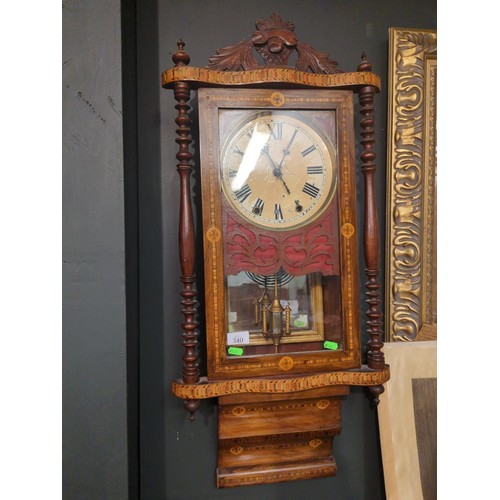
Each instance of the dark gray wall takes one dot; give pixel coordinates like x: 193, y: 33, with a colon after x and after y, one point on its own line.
x: 95, y: 464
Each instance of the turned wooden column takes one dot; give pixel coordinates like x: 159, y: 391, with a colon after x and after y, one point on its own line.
x: 375, y: 357
x: 190, y: 370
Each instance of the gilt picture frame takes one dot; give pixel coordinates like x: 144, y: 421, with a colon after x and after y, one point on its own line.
x: 411, y: 241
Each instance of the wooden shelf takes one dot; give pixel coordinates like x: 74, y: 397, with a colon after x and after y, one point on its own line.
x: 205, y: 389
x: 203, y: 77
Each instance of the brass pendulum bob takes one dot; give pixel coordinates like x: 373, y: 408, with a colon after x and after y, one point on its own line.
x: 276, y: 330
x: 260, y: 309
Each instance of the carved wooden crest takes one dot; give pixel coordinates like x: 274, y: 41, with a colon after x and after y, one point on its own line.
x: 275, y: 41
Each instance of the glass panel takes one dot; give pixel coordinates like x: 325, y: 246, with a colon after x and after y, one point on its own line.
x: 303, y: 315
x: 281, y: 259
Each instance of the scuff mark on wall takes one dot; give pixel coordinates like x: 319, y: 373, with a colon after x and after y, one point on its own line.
x: 113, y: 106
x: 90, y: 106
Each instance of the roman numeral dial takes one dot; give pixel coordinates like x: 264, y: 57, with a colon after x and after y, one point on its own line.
x: 311, y: 190
x: 243, y: 193
x: 277, y: 170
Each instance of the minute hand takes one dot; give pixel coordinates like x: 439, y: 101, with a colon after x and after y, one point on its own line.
x: 276, y: 170
x: 286, y: 151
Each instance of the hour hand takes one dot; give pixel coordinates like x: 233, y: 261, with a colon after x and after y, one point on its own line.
x: 280, y: 177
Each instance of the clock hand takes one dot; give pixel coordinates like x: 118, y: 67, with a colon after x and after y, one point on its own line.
x: 265, y: 150
x: 276, y: 170
x: 280, y: 177
x: 286, y: 151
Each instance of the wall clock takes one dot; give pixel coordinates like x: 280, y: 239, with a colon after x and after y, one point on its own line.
x: 282, y: 324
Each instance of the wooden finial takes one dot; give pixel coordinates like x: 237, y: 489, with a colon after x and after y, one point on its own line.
x: 180, y: 57
x: 191, y: 405
x: 364, y: 65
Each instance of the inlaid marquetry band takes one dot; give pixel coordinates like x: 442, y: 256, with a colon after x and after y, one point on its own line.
x: 237, y: 411
x: 213, y: 234
x: 282, y: 475
x: 206, y: 389
x: 277, y: 99
x: 347, y: 230
x: 282, y: 441
x: 203, y: 76
x: 323, y: 404
x: 286, y: 363
x: 314, y: 443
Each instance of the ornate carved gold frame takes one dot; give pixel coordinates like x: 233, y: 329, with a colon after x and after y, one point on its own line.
x: 411, y: 186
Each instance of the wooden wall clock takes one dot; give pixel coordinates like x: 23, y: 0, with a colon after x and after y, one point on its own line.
x: 277, y: 168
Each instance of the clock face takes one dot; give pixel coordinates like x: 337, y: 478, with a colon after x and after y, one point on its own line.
x: 277, y: 171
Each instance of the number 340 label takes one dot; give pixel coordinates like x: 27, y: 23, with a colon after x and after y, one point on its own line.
x: 238, y: 338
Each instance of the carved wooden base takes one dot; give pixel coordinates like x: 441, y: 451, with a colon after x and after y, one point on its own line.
x: 281, y: 437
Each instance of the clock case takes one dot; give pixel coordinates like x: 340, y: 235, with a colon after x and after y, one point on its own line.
x: 277, y: 414
x: 233, y: 244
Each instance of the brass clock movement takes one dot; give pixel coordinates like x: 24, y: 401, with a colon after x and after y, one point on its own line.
x: 282, y: 323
